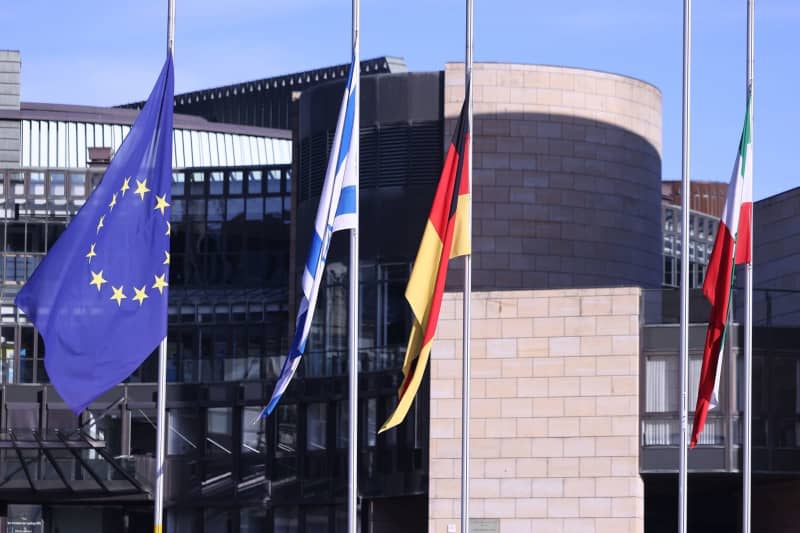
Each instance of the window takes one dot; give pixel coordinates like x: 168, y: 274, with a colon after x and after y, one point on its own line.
x: 316, y: 426
x: 235, y: 182
x: 371, y: 426
x: 254, y: 182
x: 286, y: 520
x: 317, y: 520
x: 253, y: 434
x: 274, y: 181
x: 77, y: 184
x: 37, y: 184
x: 215, y: 183
x: 197, y: 184
x: 661, y: 388
x: 252, y: 520
x: 184, y: 431
x: 219, y: 426
x: 287, y: 430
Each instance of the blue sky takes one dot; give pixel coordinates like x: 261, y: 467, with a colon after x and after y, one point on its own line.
x: 93, y: 52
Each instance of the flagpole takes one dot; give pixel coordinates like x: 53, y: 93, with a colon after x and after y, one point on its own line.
x: 465, y: 378
x: 684, y: 283
x: 748, y: 310
x: 161, y: 404
x: 352, y: 475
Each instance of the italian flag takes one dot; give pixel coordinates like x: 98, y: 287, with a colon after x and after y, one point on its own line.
x: 446, y: 236
x: 733, y: 246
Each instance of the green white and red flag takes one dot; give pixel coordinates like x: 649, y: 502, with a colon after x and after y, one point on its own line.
x: 733, y: 246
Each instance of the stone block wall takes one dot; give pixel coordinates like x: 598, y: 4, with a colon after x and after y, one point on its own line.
x: 554, y: 412
x: 9, y: 99
x: 567, y: 176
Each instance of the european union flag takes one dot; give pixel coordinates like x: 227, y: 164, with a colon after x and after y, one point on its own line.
x: 99, y: 297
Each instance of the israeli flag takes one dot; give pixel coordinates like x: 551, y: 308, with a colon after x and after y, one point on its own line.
x: 337, y: 211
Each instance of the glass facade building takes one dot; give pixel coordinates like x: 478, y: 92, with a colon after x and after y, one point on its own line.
x: 702, y: 232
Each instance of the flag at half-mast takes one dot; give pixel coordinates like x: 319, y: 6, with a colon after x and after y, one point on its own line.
x: 732, y: 246
x: 446, y: 236
x: 99, y: 297
x: 337, y: 211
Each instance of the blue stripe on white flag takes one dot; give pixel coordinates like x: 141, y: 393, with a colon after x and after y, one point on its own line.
x: 336, y: 211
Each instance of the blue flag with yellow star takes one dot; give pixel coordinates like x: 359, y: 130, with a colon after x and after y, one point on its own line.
x: 99, y: 297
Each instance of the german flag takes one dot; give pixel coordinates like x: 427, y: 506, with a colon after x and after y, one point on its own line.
x: 446, y: 236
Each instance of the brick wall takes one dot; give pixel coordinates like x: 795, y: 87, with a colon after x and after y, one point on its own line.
x: 555, y: 412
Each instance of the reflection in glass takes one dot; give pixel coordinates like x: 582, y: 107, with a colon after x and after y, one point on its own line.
x: 77, y: 185
x: 215, y: 183
x: 219, y: 426
x: 197, y: 183
x: 274, y: 181
x: 254, y: 436
x: 184, y: 431
x: 317, y: 520
x: 286, y: 520
x: 254, y: 182
x: 372, y: 421
x: 316, y: 426
x: 255, y: 208
x: 252, y: 520
x: 177, y: 184
x: 235, y: 208
x: 57, y: 185
x: 217, y: 520
x: 342, y: 424
x: 287, y: 430
x: 235, y: 182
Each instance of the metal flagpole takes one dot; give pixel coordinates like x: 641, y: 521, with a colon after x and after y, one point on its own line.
x: 685, y: 196
x: 465, y: 378
x: 748, y: 312
x: 161, y: 405
x: 352, y: 474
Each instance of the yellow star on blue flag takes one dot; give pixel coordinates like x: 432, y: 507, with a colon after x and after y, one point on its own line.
x: 94, y: 310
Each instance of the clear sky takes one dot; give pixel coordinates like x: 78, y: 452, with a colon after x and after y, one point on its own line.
x: 109, y: 52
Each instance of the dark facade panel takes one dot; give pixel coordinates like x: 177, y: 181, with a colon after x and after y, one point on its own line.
x: 267, y: 102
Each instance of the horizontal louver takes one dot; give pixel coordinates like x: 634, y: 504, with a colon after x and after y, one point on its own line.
x: 392, y: 155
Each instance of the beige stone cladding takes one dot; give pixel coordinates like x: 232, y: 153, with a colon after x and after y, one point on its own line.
x: 567, y: 176
x: 555, y: 412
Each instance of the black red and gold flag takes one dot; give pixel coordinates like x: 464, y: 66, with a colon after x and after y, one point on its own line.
x: 446, y: 236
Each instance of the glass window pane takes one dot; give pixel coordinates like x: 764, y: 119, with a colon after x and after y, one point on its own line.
x: 37, y: 183
x: 235, y: 182
x: 254, y: 182
x: 217, y: 520
x: 287, y: 430
x: 77, y: 184
x: 274, y: 208
x: 286, y: 520
x: 57, y: 185
x: 254, y: 436
x: 178, y: 183
x: 235, y: 209
x: 255, y: 208
x: 216, y: 210
x: 317, y: 520
x: 215, y: 183
x: 316, y: 426
x: 274, y: 181
x: 15, y: 237
x: 35, y: 240
x: 197, y: 184
x: 252, y: 520
x: 184, y: 431
x: 219, y: 425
